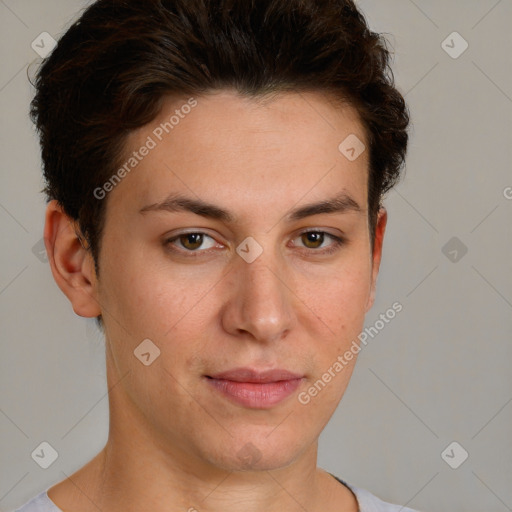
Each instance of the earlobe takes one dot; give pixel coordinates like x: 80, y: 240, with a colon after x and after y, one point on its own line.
x: 380, y: 229
x: 71, y: 263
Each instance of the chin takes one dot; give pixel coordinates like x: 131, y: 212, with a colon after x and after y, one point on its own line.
x: 256, y: 455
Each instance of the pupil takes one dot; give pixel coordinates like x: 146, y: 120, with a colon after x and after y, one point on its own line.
x: 315, y: 237
x: 194, y: 239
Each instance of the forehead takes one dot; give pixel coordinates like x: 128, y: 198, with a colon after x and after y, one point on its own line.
x: 308, y: 115
x: 222, y: 143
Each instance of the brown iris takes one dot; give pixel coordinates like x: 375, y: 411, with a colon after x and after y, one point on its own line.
x: 195, y: 239
x: 314, y: 238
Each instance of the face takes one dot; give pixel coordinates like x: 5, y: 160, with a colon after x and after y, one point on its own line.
x: 210, y: 253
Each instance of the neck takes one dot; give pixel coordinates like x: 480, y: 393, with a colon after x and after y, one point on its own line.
x: 137, y: 474
x: 143, y: 469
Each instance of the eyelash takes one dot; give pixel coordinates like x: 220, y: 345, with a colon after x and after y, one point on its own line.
x: 335, y: 246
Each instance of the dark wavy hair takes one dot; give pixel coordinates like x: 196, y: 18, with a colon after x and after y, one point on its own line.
x: 111, y: 69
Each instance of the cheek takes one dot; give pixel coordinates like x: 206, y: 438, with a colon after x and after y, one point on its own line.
x: 148, y: 297
x: 340, y: 299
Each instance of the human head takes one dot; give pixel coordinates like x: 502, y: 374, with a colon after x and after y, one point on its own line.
x: 112, y: 77
x: 112, y: 68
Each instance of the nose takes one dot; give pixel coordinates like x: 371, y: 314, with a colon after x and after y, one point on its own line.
x: 261, y: 300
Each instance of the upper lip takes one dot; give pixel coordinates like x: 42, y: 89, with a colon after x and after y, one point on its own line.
x: 255, y: 376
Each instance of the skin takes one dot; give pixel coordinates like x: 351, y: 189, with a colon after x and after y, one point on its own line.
x: 174, y: 442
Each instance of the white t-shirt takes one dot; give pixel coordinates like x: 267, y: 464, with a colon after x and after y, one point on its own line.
x: 367, y: 502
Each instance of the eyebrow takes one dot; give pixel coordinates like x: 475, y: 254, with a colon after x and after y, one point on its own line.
x: 341, y: 203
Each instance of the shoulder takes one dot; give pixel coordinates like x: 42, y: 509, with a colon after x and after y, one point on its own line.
x: 370, y: 503
x: 39, y: 503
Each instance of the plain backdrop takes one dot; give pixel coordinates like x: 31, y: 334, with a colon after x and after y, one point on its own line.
x: 438, y: 373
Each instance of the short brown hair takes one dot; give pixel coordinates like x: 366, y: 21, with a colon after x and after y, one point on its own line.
x: 111, y: 69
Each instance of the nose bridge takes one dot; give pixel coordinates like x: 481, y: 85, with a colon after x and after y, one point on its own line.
x: 261, y: 303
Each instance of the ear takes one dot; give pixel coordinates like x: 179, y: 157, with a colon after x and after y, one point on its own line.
x: 380, y: 228
x: 72, y: 265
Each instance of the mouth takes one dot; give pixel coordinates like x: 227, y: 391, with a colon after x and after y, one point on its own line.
x: 255, y: 389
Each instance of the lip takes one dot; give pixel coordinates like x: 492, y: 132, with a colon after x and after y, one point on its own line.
x: 255, y: 376
x: 255, y: 389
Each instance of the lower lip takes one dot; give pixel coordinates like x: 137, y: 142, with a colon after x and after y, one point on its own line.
x: 256, y: 395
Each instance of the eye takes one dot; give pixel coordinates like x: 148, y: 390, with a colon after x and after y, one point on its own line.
x: 193, y: 243
x: 314, y: 240
x: 190, y: 242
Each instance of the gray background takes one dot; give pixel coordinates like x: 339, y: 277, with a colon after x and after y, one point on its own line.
x: 437, y: 373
